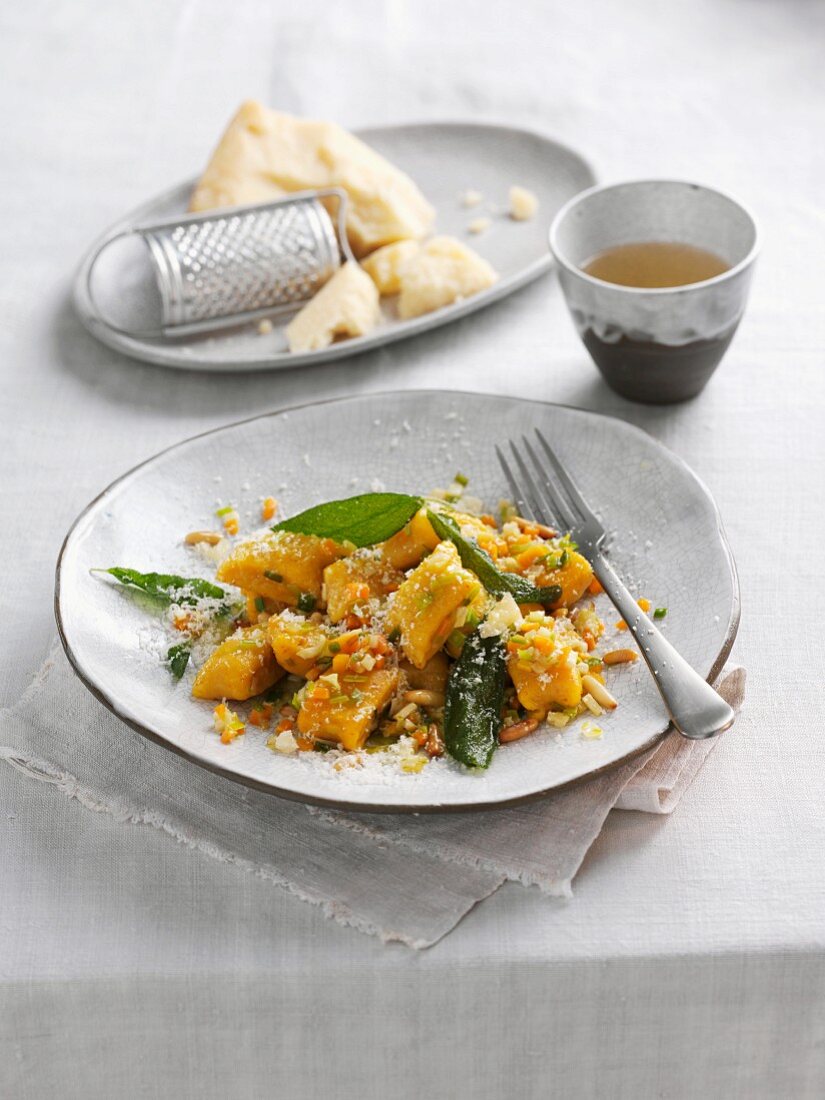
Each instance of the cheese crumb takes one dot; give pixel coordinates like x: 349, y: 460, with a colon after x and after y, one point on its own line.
x: 471, y: 198
x: 504, y: 615
x: 479, y: 225
x: 264, y: 327
x: 523, y: 204
x: 285, y: 742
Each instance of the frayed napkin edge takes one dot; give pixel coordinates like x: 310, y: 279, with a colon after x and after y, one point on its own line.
x: 68, y: 785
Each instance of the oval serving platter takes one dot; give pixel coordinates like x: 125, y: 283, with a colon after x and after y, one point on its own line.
x: 445, y: 159
x: 667, y: 541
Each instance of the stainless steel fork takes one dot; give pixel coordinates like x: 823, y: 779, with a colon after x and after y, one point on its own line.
x: 696, y: 710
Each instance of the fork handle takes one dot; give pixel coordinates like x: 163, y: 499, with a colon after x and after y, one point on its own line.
x: 696, y: 710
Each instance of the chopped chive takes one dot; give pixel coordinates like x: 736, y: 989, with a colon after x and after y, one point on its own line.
x: 306, y: 601
x: 260, y: 603
x: 393, y: 636
x: 461, y: 479
x: 660, y: 613
x: 563, y: 560
x: 272, y: 576
x: 225, y: 511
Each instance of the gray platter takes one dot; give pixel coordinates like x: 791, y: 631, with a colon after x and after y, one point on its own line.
x: 445, y: 159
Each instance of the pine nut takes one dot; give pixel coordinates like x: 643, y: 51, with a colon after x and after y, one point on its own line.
x: 194, y: 537
x: 620, y: 657
x: 423, y: 698
x: 592, y: 705
x: 599, y: 692
x: 519, y: 730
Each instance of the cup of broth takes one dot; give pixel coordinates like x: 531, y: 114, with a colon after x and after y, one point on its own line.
x: 656, y: 276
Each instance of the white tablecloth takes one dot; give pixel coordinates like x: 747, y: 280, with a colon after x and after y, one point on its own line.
x: 691, y: 961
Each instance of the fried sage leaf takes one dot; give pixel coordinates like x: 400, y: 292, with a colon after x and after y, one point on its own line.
x: 475, y: 697
x: 362, y: 520
x: 178, y: 658
x: 479, y: 562
x: 167, y: 587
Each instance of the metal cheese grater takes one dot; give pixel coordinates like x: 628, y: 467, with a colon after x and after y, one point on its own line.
x: 235, y: 265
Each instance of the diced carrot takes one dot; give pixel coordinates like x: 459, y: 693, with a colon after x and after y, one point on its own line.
x: 528, y: 556
x: 268, y: 508
x: 644, y: 604
x: 595, y: 587
x: 621, y: 625
x: 340, y: 662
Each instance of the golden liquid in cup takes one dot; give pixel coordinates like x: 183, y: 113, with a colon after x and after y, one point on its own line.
x: 653, y: 264
x: 629, y: 364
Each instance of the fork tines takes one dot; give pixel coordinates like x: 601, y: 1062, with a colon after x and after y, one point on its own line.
x: 547, y: 497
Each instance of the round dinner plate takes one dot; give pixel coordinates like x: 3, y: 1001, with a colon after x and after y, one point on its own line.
x: 445, y: 159
x: 666, y: 540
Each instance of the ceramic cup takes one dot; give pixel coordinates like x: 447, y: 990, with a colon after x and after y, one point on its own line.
x: 655, y: 345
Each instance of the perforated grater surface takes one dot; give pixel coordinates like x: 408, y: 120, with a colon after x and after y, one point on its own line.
x: 231, y: 266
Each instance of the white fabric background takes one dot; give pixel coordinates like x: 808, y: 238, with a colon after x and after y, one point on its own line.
x: 691, y: 961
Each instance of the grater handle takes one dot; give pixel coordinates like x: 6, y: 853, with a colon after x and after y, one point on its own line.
x: 167, y: 273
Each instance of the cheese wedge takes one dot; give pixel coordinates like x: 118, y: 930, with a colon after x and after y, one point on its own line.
x: 264, y: 155
x: 345, y: 306
x: 384, y: 266
x: 442, y: 271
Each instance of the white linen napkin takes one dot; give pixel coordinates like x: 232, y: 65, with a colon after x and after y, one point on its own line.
x: 407, y: 878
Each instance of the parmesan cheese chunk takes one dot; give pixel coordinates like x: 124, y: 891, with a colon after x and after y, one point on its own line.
x: 264, y: 155
x: 384, y: 266
x: 502, y: 617
x: 523, y: 204
x: 346, y: 306
x: 443, y: 271
x: 479, y: 225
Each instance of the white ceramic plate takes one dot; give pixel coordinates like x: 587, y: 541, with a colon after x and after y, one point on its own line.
x: 445, y: 159
x: 668, y: 545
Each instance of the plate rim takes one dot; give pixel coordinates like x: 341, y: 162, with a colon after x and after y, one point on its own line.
x: 99, y: 692
x: 145, y: 352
